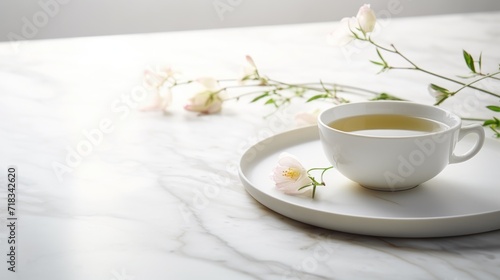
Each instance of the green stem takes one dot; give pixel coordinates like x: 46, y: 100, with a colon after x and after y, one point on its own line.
x: 339, y: 87
x: 416, y: 67
x: 315, y: 183
x: 469, y: 85
x: 480, y: 79
x: 274, y: 85
x: 175, y: 83
x: 491, y: 76
x: 243, y: 94
x: 323, y: 173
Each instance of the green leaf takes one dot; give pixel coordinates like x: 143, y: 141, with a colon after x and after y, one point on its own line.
x: 493, y: 122
x: 480, y: 61
x: 382, y: 58
x: 488, y: 122
x: 271, y: 102
x: 440, y: 89
x: 377, y: 63
x: 317, y: 97
x: 493, y: 108
x: 469, y: 61
x: 386, y: 96
x: 260, y: 97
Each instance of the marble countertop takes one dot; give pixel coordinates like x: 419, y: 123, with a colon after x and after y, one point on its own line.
x: 157, y: 195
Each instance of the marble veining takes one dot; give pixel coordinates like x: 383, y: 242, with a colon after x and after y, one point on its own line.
x: 158, y: 196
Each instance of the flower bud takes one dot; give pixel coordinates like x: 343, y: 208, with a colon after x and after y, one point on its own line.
x: 205, y: 103
x: 366, y: 18
x: 438, y: 95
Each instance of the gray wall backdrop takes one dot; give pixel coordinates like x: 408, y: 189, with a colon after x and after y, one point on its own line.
x: 41, y: 19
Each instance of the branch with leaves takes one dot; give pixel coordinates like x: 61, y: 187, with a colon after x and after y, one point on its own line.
x: 361, y: 27
x: 214, y: 93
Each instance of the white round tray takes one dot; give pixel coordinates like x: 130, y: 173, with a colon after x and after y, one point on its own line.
x: 463, y: 199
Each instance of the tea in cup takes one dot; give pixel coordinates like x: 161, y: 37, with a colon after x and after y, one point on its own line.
x: 393, y: 145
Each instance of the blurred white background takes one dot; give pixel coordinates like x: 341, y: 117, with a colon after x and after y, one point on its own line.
x: 41, y: 19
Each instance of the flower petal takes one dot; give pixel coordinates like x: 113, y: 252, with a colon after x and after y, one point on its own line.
x: 288, y: 160
x: 208, y: 83
x: 250, y: 61
x: 205, y: 102
x: 342, y: 35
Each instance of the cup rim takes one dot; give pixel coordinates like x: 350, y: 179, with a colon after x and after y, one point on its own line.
x: 447, y: 130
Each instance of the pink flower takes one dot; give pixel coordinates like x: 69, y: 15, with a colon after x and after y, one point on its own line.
x: 159, y: 81
x: 208, y: 100
x: 161, y: 100
x: 290, y: 176
x: 155, y: 79
x: 365, y: 21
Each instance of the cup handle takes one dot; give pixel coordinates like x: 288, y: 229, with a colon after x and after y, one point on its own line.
x: 476, y: 129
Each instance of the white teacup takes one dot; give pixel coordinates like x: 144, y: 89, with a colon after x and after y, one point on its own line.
x: 398, y: 156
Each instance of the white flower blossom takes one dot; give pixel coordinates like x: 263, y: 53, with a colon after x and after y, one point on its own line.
x: 290, y: 176
x: 208, y: 100
x: 342, y: 35
x: 161, y: 100
x: 438, y: 95
x: 160, y: 82
x: 365, y: 20
x: 155, y: 79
